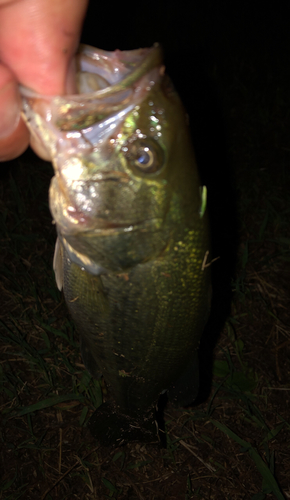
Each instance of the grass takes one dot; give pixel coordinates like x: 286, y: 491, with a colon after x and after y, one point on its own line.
x: 234, y: 444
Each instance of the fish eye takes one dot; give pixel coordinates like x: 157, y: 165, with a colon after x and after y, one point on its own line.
x: 146, y: 155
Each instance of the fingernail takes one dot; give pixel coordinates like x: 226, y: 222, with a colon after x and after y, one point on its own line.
x: 10, y: 109
x: 71, y: 84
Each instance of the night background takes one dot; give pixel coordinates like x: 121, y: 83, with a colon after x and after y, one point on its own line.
x: 230, y: 65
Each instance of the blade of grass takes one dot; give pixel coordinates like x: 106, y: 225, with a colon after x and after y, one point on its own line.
x: 46, y: 403
x: 273, y: 433
x: 260, y: 464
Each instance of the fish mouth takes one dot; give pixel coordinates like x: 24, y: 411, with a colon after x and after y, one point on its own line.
x: 109, y: 85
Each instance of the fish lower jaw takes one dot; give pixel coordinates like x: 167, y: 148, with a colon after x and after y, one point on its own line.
x: 94, y: 226
x: 71, y: 220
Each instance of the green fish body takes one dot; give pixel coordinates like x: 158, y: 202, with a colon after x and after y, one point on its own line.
x: 133, y: 238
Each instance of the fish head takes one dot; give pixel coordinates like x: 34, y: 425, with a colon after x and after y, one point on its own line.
x: 121, y: 155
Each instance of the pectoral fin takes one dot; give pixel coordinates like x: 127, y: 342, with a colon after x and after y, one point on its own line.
x: 58, y: 264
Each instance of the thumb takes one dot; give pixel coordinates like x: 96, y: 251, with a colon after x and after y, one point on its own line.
x: 38, y: 39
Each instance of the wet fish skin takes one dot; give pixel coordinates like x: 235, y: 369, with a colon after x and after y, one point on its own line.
x: 132, y: 266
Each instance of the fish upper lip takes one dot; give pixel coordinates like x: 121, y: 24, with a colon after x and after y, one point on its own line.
x: 63, y: 114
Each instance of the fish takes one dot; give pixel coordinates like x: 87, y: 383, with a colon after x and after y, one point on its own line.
x: 133, y: 240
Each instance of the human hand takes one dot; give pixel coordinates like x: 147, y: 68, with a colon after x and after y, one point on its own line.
x: 38, y: 39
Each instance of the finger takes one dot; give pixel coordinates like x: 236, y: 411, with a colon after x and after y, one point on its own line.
x: 38, y: 39
x: 14, y: 136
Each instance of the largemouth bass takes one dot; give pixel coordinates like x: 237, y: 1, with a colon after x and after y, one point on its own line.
x: 133, y: 238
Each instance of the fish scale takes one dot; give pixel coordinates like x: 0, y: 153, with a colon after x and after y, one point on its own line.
x: 134, y: 325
